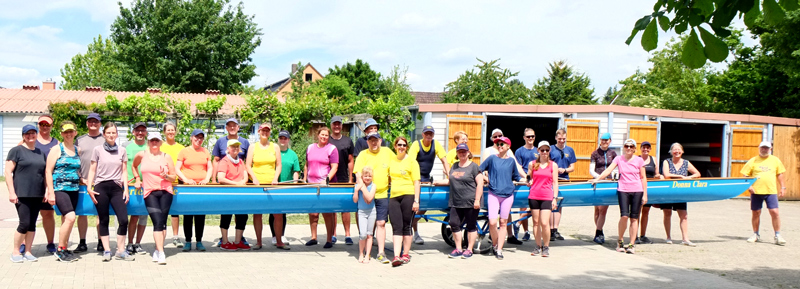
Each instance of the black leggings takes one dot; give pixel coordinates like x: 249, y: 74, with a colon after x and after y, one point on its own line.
x: 158, y: 203
x: 272, y: 221
x: 241, y: 221
x: 28, y: 211
x: 400, y: 214
x: 630, y: 204
x: 199, y: 224
x: 66, y: 201
x: 460, y: 216
x: 110, y: 193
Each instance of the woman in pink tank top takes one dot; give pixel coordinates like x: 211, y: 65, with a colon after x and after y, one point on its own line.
x: 158, y: 173
x: 542, y: 196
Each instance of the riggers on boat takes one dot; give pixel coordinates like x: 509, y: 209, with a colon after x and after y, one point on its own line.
x: 314, y: 198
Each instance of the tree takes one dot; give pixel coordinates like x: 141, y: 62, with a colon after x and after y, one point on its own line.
x: 610, y: 96
x: 179, y: 46
x: 689, y: 15
x: 362, y: 79
x: 489, y: 85
x: 563, y: 86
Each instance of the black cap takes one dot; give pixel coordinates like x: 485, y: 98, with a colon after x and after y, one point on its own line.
x: 138, y: 124
x: 336, y: 119
x: 284, y: 133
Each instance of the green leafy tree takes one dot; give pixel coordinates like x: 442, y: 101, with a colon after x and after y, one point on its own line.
x: 362, y: 79
x: 689, y: 17
x: 96, y: 67
x: 489, y: 85
x: 563, y: 85
x: 610, y: 96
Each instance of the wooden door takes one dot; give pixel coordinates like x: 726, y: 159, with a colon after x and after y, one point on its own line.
x: 582, y: 136
x: 786, y: 146
x: 744, y: 146
x: 470, y: 124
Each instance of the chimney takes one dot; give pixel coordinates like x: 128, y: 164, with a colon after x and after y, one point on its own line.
x: 154, y: 90
x: 212, y: 92
x: 49, y: 84
x: 294, y: 68
x: 94, y: 88
x: 30, y: 87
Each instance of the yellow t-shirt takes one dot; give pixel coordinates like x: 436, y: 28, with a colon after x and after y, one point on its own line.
x: 403, y: 173
x: 767, y: 171
x: 172, y: 151
x: 380, y: 168
x: 264, y: 162
x: 452, y: 157
x: 414, y: 149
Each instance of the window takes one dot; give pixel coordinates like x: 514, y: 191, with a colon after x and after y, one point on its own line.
x: 308, y: 77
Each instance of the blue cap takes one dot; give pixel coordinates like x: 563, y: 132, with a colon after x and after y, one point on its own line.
x: 197, y: 131
x: 645, y: 143
x: 29, y: 127
x: 462, y: 147
x: 94, y: 115
x: 427, y: 128
x: 373, y: 134
x: 605, y: 136
x: 232, y: 120
x: 370, y: 122
x: 285, y: 134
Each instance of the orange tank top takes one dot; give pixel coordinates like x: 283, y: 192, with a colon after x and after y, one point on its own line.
x: 151, y: 174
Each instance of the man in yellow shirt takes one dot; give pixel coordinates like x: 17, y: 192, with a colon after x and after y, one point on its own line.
x: 378, y: 158
x: 426, y: 151
x: 768, y: 170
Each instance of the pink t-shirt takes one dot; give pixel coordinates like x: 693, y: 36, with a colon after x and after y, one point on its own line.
x: 630, y: 180
x: 151, y: 173
x: 233, y: 172
x: 320, y: 160
x: 542, y: 186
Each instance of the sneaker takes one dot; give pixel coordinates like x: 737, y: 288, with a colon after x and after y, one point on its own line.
x: 559, y: 237
x: 125, y: 256
x: 284, y: 247
x: 754, y: 238
x: 65, y: 256
x: 779, y: 240
x: 199, y: 246
x: 669, y: 241
x: 17, y: 259
x: 383, y: 259
x: 155, y: 256
x: 552, y: 237
x: 242, y: 246
x: 630, y: 249
x: 527, y: 236
x: 348, y: 241
x: 638, y: 241
x: 22, y: 249
x: 162, y: 258
x: 100, y: 247
x: 187, y: 247
x: 106, y: 256
x: 218, y: 243
x: 30, y: 258
x: 600, y: 239
x: 418, y: 240
x: 51, y: 248
x: 455, y: 254
x: 406, y: 258
x: 688, y: 243
x: 536, y: 251
x: 131, y: 250
x: 244, y: 241
x: 645, y: 240
x: 274, y: 241
x: 545, y: 251
x: 513, y: 240
x: 312, y: 242
x: 620, y: 247
x: 177, y: 242
x: 328, y: 245
x: 333, y: 239
x: 466, y: 254
x: 81, y: 248
x: 397, y: 262
x: 499, y: 255
x: 139, y: 249
x: 229, y: 247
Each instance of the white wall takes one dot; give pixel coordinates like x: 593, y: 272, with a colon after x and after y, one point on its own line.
x: 12, y: 133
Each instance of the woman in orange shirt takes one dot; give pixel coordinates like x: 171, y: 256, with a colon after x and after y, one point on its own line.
x: 194, y: 167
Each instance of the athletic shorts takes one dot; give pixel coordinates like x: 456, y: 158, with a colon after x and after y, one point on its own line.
x: 540, y: 204
x: 673, y: 206
x: 66, y: 201
x: 757, y: 201
x: 630, y: 204
x: 382, y: 209
x: 46, y: 207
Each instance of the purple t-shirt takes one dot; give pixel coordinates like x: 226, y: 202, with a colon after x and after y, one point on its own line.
x: 630, y: 180
x: 320, y: 160
x: 109, y: 164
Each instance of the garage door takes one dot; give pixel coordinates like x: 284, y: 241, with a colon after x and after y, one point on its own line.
x: 470, y: 124
x: 582, y: 135
x: 744, y: 146
x: 642, y: 131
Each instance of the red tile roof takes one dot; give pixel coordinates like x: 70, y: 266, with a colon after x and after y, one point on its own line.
x: 426, y: 97
x: 38, y: 101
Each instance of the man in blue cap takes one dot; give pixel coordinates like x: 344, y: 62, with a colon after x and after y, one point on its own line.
x: 86, y: 143
x: 426, y: 151
x: 221, y: 149
x: 370, y: 126
x: 599, y: 161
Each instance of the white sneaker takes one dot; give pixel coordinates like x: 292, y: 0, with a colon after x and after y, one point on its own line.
x: 418, y: 240
x: 779, y: 240
x: 162, y: 258
x: 275, y: 241
x: 284, y: 240
x: 754, y: 238
x: 155, y: 256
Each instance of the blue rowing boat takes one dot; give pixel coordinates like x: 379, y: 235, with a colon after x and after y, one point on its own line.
x: 314, y: 198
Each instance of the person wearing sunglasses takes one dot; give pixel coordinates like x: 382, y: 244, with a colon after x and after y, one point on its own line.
x: 426, y: 151
x: 564, y: 156
x: 525, y: 155
x: 542, y: 196
x: 631, y: 192
x: 404, y: 174
x: 494, y: 150
x: 502, y: 171
x: 599, y: 161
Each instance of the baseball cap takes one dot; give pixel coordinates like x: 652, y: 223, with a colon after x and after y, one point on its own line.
x: 630, y: 141
x: 138, y: 124
x: 605, y: 136
x: 370, y: 122
x: 233, y: 142
x: 285, y: 134
x: 765, y: 144
x: 67, y: 126
x: 265, y: 125
x: 336, y: 119
x: 462, y: 147
x: 503, y: 139
x: 543, y: 143
x: 373, y: 134
x: 94, y: 115
x: 197, y: 131
x: 497, y: 130
x: 232, y: 120
x: 645, y: 143
x: 46, y: 118
x: 428, y: 128
x: 154, y: 135
x: 29, y: 127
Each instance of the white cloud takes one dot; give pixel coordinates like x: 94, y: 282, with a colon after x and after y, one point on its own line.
x: 416, y: 21
x: 15, y: 77
x: 99, y: 10
x: 37, y: 51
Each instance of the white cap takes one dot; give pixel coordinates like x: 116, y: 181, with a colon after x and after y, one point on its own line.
x: 497, y: 130
x: 543, y: 143
x: 765, y: 144
x: 630, y: 141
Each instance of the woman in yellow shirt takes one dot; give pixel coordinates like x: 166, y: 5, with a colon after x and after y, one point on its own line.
x: 173, y: 148
x: 404, y: 201
x: 264, y: 163
x: 459, y: 137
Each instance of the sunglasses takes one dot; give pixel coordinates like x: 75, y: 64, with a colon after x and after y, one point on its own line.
x: 530, y: 136
x: 501, y: 144
x: 44, y: 124
x: 402, y: 145
x: 544, y: 151
x: 496, y: 136
x: 630, y: 147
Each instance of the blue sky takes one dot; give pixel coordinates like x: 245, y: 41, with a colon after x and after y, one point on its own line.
x: 436, y: 40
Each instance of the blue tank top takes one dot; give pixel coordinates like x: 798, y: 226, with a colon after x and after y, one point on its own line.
x: 425, y: 160
x: 65, y: 173
x: 362, y: 205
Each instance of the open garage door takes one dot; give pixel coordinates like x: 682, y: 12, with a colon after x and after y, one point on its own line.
x: 470, y: 124
x: 701, y: 141
x: 744, y: 146
x: 513, y: 126
x: 582, y: 135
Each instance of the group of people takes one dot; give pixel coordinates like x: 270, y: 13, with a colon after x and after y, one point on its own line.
x: 42, y: 172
